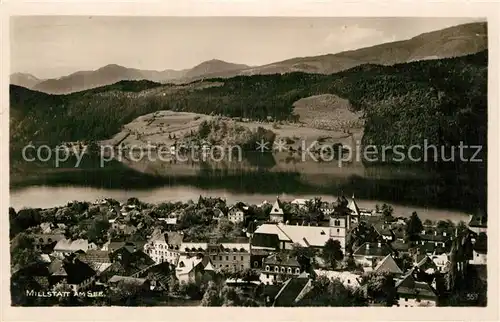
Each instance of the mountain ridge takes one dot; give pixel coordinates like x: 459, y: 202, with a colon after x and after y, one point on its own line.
x: 453, y: 41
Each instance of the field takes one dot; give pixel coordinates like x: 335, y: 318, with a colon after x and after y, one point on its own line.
x: 323, y: 118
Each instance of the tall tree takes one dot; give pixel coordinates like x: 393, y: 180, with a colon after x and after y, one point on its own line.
x: 305, y: 256
x: 211, y: 296
x: 332, y: 252
x: 414, y: 226
x: 380, y: 287
x: 387, y: 211
x: 22, y: 251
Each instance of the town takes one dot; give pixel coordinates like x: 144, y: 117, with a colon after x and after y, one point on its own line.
x: 209, y: 253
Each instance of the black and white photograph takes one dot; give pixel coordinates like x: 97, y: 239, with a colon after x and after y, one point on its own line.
x: 248, y: 161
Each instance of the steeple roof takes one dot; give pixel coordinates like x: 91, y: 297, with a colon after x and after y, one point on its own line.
x: 354, y: 207
x: 277, y: 208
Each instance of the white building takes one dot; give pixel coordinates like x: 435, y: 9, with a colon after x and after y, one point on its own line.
x: 164, y: 247
x: 236, y: 214
x: 441, y: 261
x: 65, y: 247
x: 191, y: 268
x: 479, y: 257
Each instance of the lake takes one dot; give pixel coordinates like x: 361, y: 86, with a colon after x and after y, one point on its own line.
x: 433, y: 195
x: 50, y: 196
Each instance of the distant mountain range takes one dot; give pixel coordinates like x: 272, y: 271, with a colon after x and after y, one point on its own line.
x: 450, y: 42
x: 24, y: 79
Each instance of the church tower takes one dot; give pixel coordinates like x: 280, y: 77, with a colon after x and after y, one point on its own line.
x: 339, y: 228
x: 277, y: 214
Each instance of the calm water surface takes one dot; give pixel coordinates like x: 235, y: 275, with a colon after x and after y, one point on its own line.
x: 46, y: 196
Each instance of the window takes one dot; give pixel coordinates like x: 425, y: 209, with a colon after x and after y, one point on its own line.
x: 406, y: 300
x: 242, y: 266
x: 220, y: 258
x: 267, y: 275
x: 267, y: 268
x: 297, y: 271
x: 276, y: 269
x: 234, y: 258
x: 348, y: 281
x: 289, y: 270
x: 338, y: 230
x: 256, y: 264
x: 49, y: 240
x: 220, y: 265
x: 282, y: 269
x: 227, y: 258
x: 227, y: 265
x: 241, y: 257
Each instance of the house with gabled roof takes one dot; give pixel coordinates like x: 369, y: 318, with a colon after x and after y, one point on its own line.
x: 279, y: 266
x: 164, y: 247
x: 236, y: 213
x: 191, y: 268
x: 71, y: 271
x: 478, y: 223
x: 412, y: 293
x: 389, y: 265
x: 65, y: 247
x: 369, y: 254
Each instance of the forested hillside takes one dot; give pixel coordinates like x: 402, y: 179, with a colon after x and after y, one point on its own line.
x: 443, y: 101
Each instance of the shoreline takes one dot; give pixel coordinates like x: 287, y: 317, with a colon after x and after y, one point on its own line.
x: 184, y: 194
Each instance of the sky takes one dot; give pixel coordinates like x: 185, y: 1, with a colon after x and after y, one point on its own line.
x: 49, y: 47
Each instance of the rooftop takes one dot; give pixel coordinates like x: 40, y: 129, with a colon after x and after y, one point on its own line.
x: 281, y: 259
x: 72, y: 245
x: 408, y: 286
x: 373, y: 249
x: 127, y: 280
x: 305, y: 236
x: 290, y: 291
x: 388, y: 264
x: 480, y: 221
